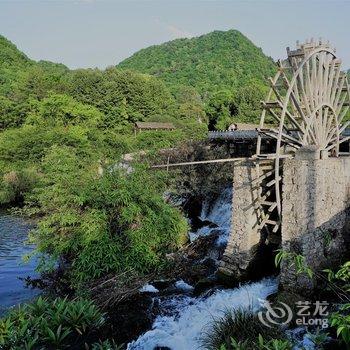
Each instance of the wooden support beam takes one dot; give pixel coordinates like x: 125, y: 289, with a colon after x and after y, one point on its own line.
x: 211, y: 161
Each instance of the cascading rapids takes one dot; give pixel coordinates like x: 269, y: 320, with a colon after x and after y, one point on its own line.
x: 186, y: 318
x: 183, y: 318
x: 219, y: 213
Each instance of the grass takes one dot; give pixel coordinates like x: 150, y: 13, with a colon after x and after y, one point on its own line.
x: 243, y: 326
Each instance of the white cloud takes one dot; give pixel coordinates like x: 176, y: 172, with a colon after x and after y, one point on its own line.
x: 178, y: 32
x: 174, y: 30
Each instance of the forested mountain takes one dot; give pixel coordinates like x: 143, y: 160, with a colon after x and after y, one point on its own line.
x: 12, y: 62
x: 45, y: 106
x: 57, y: 128
x: 225, y: 68
x: 209, y: 63
x: 121, y: 95
x: 11, y: 57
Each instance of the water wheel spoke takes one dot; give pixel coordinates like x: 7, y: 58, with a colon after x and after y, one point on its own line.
x: 308, y: 98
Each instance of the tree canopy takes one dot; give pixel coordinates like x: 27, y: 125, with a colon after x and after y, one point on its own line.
x: 214, y: 65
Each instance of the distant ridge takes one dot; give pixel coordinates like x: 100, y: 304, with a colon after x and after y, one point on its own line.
x: 214, y: 61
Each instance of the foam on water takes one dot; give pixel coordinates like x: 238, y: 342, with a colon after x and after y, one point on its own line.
x: 183, y: 286
x: 182, y: 327
x: 148, y: 288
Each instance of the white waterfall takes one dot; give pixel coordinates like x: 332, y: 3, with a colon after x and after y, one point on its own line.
x: 182, y: 326
x: 219, y: 213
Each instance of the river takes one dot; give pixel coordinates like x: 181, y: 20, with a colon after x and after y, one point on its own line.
x: 182, y: 319
x: 13, y: 235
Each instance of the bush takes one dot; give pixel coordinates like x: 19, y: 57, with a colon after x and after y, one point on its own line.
x: 104, y: 224
x: 50, y: 324
x: 340, y: 320
x: 107, y: 345
x: 241, y: 325
x: 15, y: 184
x: 261, y: 344
x: 154, y: 140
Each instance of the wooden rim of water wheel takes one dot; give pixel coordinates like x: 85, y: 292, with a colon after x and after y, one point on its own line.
x: 307, y: 102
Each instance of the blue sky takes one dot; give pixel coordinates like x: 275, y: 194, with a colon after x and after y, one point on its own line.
x: 99, y: 33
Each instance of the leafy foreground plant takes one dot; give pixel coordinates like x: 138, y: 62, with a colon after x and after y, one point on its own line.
x: 238, y: 329
x: 261, y: 344
x: 107, y: 345
x: 56, y: 324
x: 340, y: 320
x: 338, y: 282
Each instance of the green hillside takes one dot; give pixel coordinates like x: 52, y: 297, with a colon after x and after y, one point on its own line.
x: 223, y: 71
x: 122, y: 96
x: 10, y: 56
x: 209, y: 63
x: 12, y: 62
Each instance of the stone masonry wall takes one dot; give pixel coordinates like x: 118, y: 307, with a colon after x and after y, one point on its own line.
x: 315, y: 218
x: 244, y: 237
x: 315, y: 203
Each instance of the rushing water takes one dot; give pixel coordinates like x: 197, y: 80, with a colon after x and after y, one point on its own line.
x: 13, y: 234
x: 218, y: 213
x: 185, y: 318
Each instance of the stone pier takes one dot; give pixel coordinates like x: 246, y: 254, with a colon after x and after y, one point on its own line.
x: 315, y: 214
x: 244, y: 240
x: 315, y: 218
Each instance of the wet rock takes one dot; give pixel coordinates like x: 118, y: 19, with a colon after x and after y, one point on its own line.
x: 198, y: 223
x: 176, y: 288
x: 205, y: 284
x: 163, y: 283
x: 210, y: 265
x: 131, y: 317
x: 194, y: 262
x: 193, y: 207
x: 226, y: 277
x: 254, y: 264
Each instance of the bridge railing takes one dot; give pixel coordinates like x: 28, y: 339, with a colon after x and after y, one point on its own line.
x: 246, y: 134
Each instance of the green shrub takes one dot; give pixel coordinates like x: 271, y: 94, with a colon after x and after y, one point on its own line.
x: 104, y: 224
x: 341, y: 322
x: 261, y: 344
x: 107, y: 345
x: 49, y: 324
x: 243, y: 326
x: 15, y: 184
x: 274, y: 344
x: 153, y: 140
x: 339, y: 281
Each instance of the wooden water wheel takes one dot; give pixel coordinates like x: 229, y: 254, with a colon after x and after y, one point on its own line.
x: 307, y: 102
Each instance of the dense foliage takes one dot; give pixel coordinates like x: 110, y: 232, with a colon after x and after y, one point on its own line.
x: 103, y: 224
x: 209, y: 63
x: 123, y: 97
x: 63, y: 135
x: 226, y: 70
